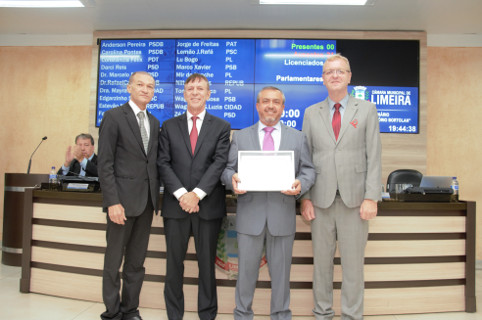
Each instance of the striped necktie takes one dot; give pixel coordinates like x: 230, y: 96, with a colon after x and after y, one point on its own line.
x: 142, y: 127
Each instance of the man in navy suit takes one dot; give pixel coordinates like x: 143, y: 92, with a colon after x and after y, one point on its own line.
x: 80, y: 160
x: 128, y: 142
x: 267, y: 218
x: 193, y: 151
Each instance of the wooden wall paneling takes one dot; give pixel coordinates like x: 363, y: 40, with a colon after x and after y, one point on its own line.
x: 65, y: 253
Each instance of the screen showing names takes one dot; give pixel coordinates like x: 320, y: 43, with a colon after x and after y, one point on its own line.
x: 237, y: 69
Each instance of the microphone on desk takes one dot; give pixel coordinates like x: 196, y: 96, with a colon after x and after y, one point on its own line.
x: 30, y: 161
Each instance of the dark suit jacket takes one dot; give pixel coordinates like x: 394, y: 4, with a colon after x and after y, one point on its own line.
x: 178, y: 167
x: 74, y: 168
x: 126, y: 172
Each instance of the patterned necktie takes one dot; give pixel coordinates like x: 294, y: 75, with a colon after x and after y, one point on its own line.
x: 142, y: 127
x: 193, y: 135
x: 268, y: 142
x: 336, y: 121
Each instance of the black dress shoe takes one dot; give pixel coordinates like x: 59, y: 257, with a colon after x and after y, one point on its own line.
x: 133, y: 318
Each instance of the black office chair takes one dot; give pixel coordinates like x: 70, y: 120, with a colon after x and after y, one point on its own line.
x: 410, y: 176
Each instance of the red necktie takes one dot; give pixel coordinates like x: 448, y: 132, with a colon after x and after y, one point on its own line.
x: 336, y: 121
x: 193, y: 135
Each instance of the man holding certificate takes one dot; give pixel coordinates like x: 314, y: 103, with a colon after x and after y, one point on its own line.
x: 266, y: 212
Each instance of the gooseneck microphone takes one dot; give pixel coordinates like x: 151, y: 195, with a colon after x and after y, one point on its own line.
x: 30, y: 161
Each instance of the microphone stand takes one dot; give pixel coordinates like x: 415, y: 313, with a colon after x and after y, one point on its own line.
x: 30, y: 161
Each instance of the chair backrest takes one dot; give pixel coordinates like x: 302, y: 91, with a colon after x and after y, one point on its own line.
x: 410, y: 176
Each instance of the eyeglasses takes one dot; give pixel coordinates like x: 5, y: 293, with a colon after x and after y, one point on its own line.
x: 335, y: 71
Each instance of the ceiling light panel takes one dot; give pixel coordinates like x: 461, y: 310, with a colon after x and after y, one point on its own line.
x: 41, y: 4
x: 317, y: 2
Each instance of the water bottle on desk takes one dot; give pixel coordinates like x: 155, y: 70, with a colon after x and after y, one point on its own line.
x: 455, y: 189
x: 53, y: 181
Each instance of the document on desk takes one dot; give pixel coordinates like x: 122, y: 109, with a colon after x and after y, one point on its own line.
x: 266, y: 170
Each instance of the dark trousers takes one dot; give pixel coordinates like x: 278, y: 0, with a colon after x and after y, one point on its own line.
x: 130, y: 242
x: 205, y: 234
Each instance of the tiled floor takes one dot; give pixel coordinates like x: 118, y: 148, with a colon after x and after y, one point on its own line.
x: 19, y: 306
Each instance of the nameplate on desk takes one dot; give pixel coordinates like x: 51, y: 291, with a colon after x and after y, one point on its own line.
x: 80, y: 187
x: 77, y: 186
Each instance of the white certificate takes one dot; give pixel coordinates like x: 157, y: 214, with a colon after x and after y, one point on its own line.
x: 266, y: 170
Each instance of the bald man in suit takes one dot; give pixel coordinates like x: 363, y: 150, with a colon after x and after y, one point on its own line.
x: 267, y: 218
x: 128, y: 142
x: 344, y: 137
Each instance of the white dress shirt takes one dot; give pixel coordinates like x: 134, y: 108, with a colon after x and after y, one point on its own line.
x: 136, y: 110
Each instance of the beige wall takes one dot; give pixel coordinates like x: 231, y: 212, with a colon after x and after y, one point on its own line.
x: 38, y: 80
x: 454, y: 114
x: 44, y: 91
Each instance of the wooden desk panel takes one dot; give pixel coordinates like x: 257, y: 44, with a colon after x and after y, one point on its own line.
x: 14, y: 199
x: 420, y: 258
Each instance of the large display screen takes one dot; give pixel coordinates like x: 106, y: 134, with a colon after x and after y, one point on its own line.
x: 385, y: 72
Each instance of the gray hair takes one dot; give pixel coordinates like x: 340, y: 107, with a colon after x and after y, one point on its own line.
x: 270, y: 88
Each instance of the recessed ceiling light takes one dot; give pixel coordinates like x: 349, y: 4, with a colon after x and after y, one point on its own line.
x: 41, y: 3
x: 317, y: 2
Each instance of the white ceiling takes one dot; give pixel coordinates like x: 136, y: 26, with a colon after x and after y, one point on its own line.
x: 447, y: 22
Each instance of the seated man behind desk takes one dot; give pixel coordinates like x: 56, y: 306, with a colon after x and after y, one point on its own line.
x: 80, y: 160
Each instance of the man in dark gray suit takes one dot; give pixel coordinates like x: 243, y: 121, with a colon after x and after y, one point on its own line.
x: 344, y: 137
x: 267, y: 217
x: 80, y: 160
x: 128, y: 143
x: 193, y: 151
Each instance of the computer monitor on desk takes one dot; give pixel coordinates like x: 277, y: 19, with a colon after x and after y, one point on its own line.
x: 431, y: 189
x: 436, y: 182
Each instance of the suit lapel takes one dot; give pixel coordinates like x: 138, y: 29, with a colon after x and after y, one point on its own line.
x: 184, y: 130
x: 205, y: 128
x: 152, y: 129
x: 283, y: 145
x: 350, y: 112
x: 324, y: 113
x: 254, y: 136
x: 133, y: 124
